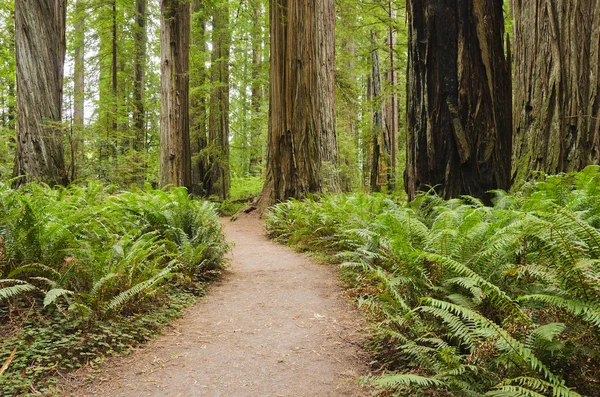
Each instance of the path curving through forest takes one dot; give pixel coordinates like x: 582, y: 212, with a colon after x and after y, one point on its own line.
x: 275, y: 325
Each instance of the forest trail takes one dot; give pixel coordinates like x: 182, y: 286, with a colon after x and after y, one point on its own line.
x: 275, y: 325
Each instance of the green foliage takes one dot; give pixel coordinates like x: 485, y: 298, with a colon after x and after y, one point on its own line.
x: 469, y: 299
x: 90, y: 254
x: 243, y: 191
x: 54, y: 343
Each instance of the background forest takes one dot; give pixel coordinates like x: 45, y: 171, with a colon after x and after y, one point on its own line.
x: 111, y: 100
x: 420, y: 136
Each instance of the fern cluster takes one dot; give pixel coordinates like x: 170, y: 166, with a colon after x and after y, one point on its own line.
x: 469, y: 299
x: 93, y: 251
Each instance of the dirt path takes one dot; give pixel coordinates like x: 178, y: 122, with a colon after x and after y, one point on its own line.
x: 276, y: 325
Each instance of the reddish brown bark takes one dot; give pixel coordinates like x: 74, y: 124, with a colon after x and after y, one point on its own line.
x: 557, y: 86
x: 40, y: 55
x: 459, y: 98
x: 175, y: 158
x: 301, y: 151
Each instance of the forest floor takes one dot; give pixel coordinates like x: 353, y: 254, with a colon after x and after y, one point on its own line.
x: 277, y: 324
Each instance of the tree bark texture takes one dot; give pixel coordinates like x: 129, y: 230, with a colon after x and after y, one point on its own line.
x: 391, y: 106
x: 556, y: 86
x: 79, y: 66
x: 381, y: 151
x: 256, y: 147
x: 175, y: 158
x: 77, y: 152
x: 198, y: 101
x: 219, y: 105
x: 459, y: 98
x: 114, y: 75
x: 40, y: 55
x: 140, y: 38
x: 301, y: 151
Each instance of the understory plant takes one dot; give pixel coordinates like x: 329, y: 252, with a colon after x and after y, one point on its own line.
x: 83, y: 256
x: 469, y: 299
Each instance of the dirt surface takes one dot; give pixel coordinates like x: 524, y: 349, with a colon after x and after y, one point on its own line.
x: 276, y: 325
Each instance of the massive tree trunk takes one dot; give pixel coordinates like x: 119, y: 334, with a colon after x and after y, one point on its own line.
x: 219, y: 105
x: 140, y: 38
x: 175, y: 158
x: 557, y: 86
x: 40, y: 54
x: 198, y: 100
x: 459, y: 98
x: 301, y: 151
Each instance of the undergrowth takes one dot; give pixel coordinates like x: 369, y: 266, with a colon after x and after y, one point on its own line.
x: 243, y: 192
x: 75, y: 260
x: 468, y: 299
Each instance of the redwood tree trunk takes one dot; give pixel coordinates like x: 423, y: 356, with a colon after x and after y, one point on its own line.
x: 380, y: 145
x: 40, y: 54
x: 77, y: 152
x: 79, y: 66
x: 301, y: 151
x: 198, y: 100
x: 557, y: 86
x: 256, y: 147
x: 218, y: 135
x: 175, y: 159
x: 391, y: 107
x: 140, y: 38
x: 459, y: 98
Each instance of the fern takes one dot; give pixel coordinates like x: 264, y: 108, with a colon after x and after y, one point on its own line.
x: 145, y: 286
x: 395, y: 380
x: 54, y: 294
x: 19, y: 288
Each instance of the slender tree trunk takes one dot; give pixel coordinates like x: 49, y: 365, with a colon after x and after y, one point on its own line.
x: 556, y: 87
x: 11, y: 105
x: 114, y: 75
x: 256, y: 155
x: 301, y: 152
x: 78, y: 89
x: 380, y: 145
x: 140, y: 38
x: 219, y: 105
x: 40, y: 55
x: 175, y: 158
x: 459, y: 98
x: 392, y: 119
x: 79, y: 67
x: 198, y: 100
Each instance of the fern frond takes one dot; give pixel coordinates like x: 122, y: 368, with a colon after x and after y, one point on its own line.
x: 144, y: 286
x: 15, y: 290
x: 588, y: 311
x: 54, y: 294
x: 395, y: 380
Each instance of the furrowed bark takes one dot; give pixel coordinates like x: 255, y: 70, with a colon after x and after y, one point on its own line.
x: 459, y: 98
x: 557, y: 86
x: 40, y: 55
x: 301, y: 151
x: 175, y: 158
